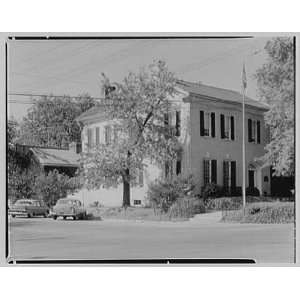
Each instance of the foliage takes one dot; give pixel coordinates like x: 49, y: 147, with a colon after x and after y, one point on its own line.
x: 252, y: 191
x: 51, y: 121
x: 163, y: 193
x: 275, y: 81
x: 20, y: 178
x: 137, y: 106
x: 21, y: 184
x: 263, y: 213
x: 52, y: 186
x: 186, y: 207
x: 224, y: 203
x: 212, y: 190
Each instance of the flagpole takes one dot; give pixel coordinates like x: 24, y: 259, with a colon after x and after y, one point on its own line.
x: 244, y: 148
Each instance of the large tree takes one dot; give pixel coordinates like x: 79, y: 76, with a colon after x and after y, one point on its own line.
x: 138, y: 106
x: 51, y: 120
x: 276, y: 87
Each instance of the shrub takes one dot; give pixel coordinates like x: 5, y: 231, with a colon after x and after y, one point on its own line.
x: 252, y: 191
x: 224, y: 203
x: 212, y: 190
x: 186, y: 207
x: 52, y: 186
x: 163, y: 193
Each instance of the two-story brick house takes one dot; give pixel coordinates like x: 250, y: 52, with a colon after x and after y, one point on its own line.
x: 208, y: 124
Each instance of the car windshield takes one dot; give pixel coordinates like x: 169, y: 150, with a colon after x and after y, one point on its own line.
x: 24, y: 202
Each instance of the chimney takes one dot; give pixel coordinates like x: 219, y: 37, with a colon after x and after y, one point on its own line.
x: 75, y: 147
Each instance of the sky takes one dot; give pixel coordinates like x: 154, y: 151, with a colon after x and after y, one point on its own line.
x: 73, y: 67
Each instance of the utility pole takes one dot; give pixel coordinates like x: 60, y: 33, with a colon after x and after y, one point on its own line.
x: 244, y: 86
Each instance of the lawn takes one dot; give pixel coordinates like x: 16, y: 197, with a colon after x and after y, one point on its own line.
x: 262, y: 212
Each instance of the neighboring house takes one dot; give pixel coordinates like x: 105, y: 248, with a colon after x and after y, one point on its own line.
x: 208, y: 123
x: 48, y: 159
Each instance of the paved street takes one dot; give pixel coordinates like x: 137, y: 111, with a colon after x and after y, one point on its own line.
x: 40, y: 238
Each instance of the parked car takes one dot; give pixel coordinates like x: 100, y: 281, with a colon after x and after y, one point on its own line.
x: 67, y: 207
x: 29, y: 208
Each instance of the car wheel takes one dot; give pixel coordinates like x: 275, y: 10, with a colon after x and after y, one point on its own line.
x: 29, y: 215
x: 13, y: 216
x: 74, y: 217
x: 54, y: 217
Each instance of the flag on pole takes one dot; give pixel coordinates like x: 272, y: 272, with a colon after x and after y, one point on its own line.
x: 244, y: 78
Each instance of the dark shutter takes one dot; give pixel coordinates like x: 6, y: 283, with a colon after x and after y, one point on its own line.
x: 258, y: 132
x: 225, y: 174
x: 201, y: 123
x: 232, y: 127
x: 166, y: 119
x: 89, y: 135
x: 249, y: 130
x: 213, y: 126
x: 97, y: 136
x: 233, y: 175
x: 205, y: 171
x: 178, y: 123
x: 222, y: 126
x: 141, y: 177
x: 178, y: 167
x: 167, y: 169
x: 214, y: 171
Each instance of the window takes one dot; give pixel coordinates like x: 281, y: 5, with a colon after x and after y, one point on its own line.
x: 229, y: 175
x: 178, y: 123
x: 107, y: 135
x: 97, y: 136
x: 253, y: 131
x: 209, y: 171
x: 137, y: 202
x: 207, y: 123
x: 227, y: 127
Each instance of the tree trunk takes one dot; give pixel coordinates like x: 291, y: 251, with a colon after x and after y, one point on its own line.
x: 126, y: 189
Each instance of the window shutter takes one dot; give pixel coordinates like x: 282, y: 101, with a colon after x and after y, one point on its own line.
x: 205, y: 171
x: 167, y: 170
x: 222, y: 126
x: 178, y: 123
x: 178, y: 167
x: 249, y: 130
x: 232, y: 127
x: 166, y: 119
x: 213, y: 124
x: 233, y: 174
x: 97, y: 136
x: 258, y: 131
x: 226, y: 173
x: 214, y: 171
x: 141, y: 177
x: 201, y: 123
x: 89, y: 133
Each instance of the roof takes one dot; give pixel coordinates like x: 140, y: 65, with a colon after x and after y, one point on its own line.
x: 219, y: 94
x: 56, y: 157
x: 96, y: 111
x: 200, y: 89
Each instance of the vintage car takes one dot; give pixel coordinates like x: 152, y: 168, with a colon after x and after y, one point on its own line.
x: 68, y: 207
x: 29, y: 208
